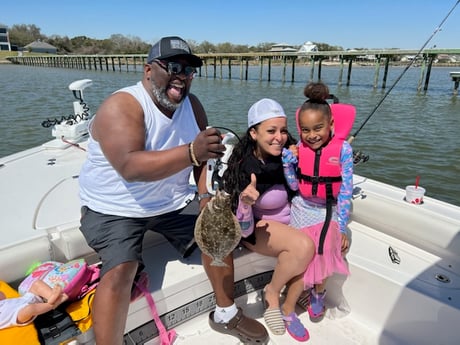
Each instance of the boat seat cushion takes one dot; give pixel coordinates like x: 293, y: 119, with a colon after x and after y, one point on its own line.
x: 20, y: 335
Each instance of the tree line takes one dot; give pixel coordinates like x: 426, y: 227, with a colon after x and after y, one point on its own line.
x: 23, y: 34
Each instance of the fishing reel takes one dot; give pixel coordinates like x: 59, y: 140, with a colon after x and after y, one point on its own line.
x: 215, y: 167
x: 359, y: 157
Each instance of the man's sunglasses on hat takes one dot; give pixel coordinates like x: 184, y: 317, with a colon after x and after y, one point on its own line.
x: 176, y: 68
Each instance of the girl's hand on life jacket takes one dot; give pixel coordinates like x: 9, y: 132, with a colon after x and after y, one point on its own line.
x: 288, y: 156
x: 250, y: 194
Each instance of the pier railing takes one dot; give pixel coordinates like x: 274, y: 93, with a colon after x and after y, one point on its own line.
x: 214, y: 63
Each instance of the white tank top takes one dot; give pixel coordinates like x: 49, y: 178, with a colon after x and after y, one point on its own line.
x: 103, y: 190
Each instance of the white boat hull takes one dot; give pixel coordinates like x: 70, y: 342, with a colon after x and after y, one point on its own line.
x: 404, y: 259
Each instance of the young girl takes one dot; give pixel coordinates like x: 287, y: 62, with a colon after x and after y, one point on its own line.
x: 324, y: 180
x: 21, y: 311
x: 256, y: 182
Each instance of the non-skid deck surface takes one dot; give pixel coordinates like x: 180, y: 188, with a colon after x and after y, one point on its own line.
x: 343, y: 331
x: 183, y: 289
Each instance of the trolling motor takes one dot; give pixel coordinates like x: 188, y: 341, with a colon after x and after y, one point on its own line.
x: 77, y: 88
x: 74, y: 126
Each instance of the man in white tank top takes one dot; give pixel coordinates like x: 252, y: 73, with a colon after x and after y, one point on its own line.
x: 144, y: 142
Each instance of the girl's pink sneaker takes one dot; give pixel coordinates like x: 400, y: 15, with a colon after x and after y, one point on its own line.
x: 295, y: 327
x: 316, y: 309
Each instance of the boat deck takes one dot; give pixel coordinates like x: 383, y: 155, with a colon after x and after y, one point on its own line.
x: 344, y: 331
x: 380, y: 303
x: 404, y: 286
x: 183, y: 297
x: 40, y: 208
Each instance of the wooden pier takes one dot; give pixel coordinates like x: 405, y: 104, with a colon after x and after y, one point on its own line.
x: 214, y: 64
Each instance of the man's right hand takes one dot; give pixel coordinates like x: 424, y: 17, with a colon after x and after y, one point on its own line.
x: 208, y: 144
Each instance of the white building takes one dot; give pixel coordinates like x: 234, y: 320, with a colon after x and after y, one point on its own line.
x: 4, y: 38
x: 308, y: 47
x: 282, y: 48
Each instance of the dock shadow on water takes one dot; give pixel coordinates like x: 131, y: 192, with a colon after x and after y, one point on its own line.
x: 217, y: 231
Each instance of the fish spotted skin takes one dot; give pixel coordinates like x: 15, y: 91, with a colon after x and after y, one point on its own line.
x: 217, y: 231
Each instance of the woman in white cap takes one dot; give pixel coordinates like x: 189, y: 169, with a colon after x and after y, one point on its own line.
x: 261, y: 201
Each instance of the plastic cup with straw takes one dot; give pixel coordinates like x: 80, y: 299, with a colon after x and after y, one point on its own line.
x: 415, y: 193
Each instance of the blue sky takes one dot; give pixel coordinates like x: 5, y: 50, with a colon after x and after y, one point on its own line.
x: 405, y: 24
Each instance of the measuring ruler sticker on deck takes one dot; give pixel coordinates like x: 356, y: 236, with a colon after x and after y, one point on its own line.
x: 188, y: 311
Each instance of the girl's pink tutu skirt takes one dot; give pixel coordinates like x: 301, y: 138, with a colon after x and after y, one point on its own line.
x: 331, y: 261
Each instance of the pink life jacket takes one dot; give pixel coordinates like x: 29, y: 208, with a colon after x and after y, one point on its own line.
x: 319, y: 171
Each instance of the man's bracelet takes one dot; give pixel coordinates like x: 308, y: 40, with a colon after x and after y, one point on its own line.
x: 192, y: 156
x: 204, y: 196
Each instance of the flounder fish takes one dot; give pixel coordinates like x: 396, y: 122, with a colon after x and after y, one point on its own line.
x: 217, y: 231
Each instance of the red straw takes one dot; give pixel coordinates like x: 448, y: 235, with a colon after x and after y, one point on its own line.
x: 417, y: 179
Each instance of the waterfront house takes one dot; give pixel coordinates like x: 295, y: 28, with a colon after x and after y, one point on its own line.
x: 308, y: 47
x: 282, y: 48
x: 41, y: 47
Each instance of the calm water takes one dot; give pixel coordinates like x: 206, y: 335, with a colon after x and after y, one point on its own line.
x: 412, y: 133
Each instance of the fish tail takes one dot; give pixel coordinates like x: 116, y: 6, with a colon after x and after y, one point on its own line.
x: 218, y: 263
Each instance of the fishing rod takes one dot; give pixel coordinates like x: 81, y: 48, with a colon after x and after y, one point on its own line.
x: 353, y: 136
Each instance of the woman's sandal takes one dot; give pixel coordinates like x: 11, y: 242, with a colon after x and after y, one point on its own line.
x: 295, y: 327
x: 273, y: 318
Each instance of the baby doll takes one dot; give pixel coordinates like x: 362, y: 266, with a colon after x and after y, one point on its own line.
x: 22, y: 310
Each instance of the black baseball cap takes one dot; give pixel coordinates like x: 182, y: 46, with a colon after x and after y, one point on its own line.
x: 172, y: 46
